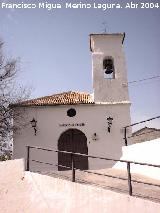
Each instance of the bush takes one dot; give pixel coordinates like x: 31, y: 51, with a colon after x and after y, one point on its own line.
x: 6, y: 156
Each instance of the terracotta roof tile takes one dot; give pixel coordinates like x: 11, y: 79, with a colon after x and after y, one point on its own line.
x: 64, y: 98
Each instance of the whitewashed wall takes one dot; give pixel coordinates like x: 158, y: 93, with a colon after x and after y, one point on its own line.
x: 146, y: 152
x: 49, y: 131
x: 109, y: 90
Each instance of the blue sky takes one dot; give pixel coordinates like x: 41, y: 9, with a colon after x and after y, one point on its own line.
x: 55, y: 55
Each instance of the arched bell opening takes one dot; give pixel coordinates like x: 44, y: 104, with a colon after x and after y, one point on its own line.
x: 72, y: 140
x: 108, y: 68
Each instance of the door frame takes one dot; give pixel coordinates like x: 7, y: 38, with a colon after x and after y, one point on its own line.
x: 81, y: 162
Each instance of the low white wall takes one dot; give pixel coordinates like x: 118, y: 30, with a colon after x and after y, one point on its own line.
x: 39, y: 193
x: 146, y: 152
x: 11, y: 171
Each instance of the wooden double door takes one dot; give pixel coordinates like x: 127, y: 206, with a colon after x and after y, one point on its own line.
x: 72, y: 140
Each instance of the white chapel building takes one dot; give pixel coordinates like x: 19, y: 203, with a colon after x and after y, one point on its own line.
x: 91, y: 124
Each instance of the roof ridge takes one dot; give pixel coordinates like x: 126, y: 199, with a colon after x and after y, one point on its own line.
x: 61, y: 93
x: 146, y: 127
x: 70, y: 97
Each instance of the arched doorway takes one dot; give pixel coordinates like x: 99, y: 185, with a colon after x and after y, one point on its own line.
x: 72, y: 140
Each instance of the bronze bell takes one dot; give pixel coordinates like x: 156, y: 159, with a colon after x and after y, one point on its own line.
x: 108, y: 66
x: 108, y: 71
